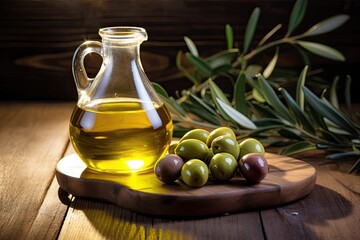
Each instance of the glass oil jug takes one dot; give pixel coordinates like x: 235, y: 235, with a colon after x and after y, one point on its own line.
x: 119, y: 125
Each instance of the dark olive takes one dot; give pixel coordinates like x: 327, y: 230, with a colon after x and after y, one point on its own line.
x: 253, y: 167
x: 168, y: 168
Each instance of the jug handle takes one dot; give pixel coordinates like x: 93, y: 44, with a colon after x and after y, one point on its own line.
x: 82, y: 80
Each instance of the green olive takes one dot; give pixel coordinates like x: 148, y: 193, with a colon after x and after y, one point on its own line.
x: 225, y: 144
x: 192, y: 148
x: 199, y: 134
x: 194, y: 173
x: 219, y: 132
x: 251, y: 145
x: 223, y: 166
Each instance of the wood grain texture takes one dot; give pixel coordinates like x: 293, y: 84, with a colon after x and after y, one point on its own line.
x: 52, y: 211
x: 91, y: 219
x: 50, y: 214
x: 288, y: 180
x: 38, y: 38
x: 32, y: 139
x: 331, y: 211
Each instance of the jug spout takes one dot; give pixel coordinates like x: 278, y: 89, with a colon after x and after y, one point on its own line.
x: 123, y: 35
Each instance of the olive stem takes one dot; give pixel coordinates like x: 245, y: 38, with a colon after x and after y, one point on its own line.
x: 254, y: 52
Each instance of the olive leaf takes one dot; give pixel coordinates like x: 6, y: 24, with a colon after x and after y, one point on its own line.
x: 200, y: 64
x: 217, y: 93
x: 329, y: 136
x: 333, y: 94
x: 229, y: 36
x: 223, y: 70
x: 356, y: 145
x: 199, y: 111
x: 290, y: 133
x: 239, y: 94
x: 259, y: 130
x: 250, y: 28
x: 159, y: 89
x: 347, y: 93
x: 257, y: 95
x: 337, y: 130
x: 267, y: 122
x: 327, y: 25
x: 299, y: 91
x: 298, y: 148
x: 324, y: 110
x: 203, y: 104
x: 271, y: 66
x: 322, y: 50
x: 265, y: 111
x: 235, y: 115
x: 191, y: 46
x: 342, y: 155
x: 300, y: 115
x: 173, y: 106
x: 297, y: 15
x: 272, y: 99
x: 222, y: 58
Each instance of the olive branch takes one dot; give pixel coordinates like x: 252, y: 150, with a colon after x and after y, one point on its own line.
x: 259, y: 106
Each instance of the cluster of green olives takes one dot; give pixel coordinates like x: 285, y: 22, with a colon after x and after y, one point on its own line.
x: 200, y: 153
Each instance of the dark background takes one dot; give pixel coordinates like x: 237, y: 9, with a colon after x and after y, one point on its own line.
x: 38, y: 38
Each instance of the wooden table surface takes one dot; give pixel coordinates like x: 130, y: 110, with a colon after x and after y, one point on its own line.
x: 34, y: 136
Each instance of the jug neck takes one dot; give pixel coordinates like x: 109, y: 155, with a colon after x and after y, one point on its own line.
x: 115, y: 52
x: 122, y: 43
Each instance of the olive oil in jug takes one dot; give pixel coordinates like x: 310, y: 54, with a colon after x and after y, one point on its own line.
x: 120, y: 136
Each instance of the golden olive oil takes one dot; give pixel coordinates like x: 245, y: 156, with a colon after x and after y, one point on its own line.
x: 120, y: 136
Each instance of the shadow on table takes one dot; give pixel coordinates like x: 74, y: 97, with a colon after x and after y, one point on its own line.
x: 303, y: 218
x: 313, y: 217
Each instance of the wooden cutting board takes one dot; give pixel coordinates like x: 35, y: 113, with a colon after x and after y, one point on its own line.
x: 288, y: 180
